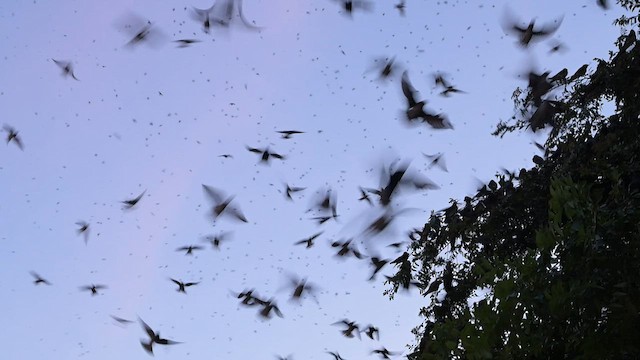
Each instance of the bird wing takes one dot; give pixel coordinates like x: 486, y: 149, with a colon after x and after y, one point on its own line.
x: 408, y: 90
x: 213, y: 193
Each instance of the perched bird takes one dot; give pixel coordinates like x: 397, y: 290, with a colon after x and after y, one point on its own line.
x: 93, y: 288
x: 12, y: 135
x: 266, y: 154
x: 579, y: 73
x: 351, y: 327
x: 130, y: 203
x: 286, y: 134
x: 436, y: 160
x: 182, y: 286
x: 308, y: 241
x: 560, y: 76
x: 83, y: 229
x: 415, y: 109
x: 221, y: 206
x: 528, y: 33
x: 189, y: 249
x: 67, y: 68
x: 154, y: 337
x: 140, y: 31
x: 385, y: 66
x: 38, y: 279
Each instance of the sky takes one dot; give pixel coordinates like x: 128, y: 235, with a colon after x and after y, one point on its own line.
x: 153, y: 118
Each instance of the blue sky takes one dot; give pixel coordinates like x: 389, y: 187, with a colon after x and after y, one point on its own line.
x: 156, y: 118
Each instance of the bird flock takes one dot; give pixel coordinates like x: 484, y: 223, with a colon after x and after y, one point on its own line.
x: 384, y: 199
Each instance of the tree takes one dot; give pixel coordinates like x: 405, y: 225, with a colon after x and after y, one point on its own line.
x: 544, y: 263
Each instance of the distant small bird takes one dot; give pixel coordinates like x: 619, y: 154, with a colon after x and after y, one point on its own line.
x: 351, y: 327
x: 38, y: 279
x: 182, y: 286
x: 216, y: 240
x: 130, y: 203
x: 384, y: 353
x: 603, y: 4
x: 93, y: 288
x: 269, y: 306
x: 203, y: 16
x: 346, y: 249
x: 364, y: 196
x: 67, y: 68
x: 222, y: 206
x: 266, y: 154
x: 526, y: 34
x: 121, y: 320
x: 350, y: 5
x: 436, y: 160
x: 286, y: 134
x: 308, y: 241
x: 400, y: 6
x: 13, y: 136
x: 154, y: 337
x: 300, y: 287
x: 226, y: 156
x: 336, y: 356
x: 183, y: 43
x: 83, y: 229
x: 290, y: 190
x: 189, y: 249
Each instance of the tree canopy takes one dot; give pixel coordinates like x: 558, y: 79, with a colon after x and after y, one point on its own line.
x: 544, y: 262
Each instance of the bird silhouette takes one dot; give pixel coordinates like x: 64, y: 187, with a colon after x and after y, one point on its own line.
x: 350, y: 5
x: 189, y: 249
x: 336, y: 356
x: 93, y: 288
x: 12, y: 135
x: 130, y: 203
x: 38, y: 279
x: 300, y: 287
x: 351, y: 326
x: 560, y: 76
x: 202, y: 16
x: 248, y: 298
x: 183, y: 43
x: 528, y: 33
x: 268, y: 307
x: 308, y: 241
x: 222, y: 206
x: 448, y: 89
x: 416, y: 110
x: 436, y: 160
x: 372, y: 332
x: 286, y: 134
x: 364, y: 196
x: 216, y: 240
x: 84, y: 230
x: 384, y: 353
x: 377, y: 264
x: 290, y: 190
x: 265, y: 154
x: 154, y: 337
x: 121, y: 320
x: 346, y: 249
x: 182, y: 286
x: 401, y: 7
x: 67, y: 68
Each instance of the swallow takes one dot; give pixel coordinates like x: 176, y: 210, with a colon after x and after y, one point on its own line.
x: 350, y: 5
x: 278, y: 357
x: 557, y: 47
x: 12, y: 135
x: 324, y: 218
x: 309, y: 241
x: 286, y: 134
x: 579, y: 73
x: 269, y: 306
x: 527, y: 34
x: 400, y: 6
x: 266, y: 154
x: 221, y: 206
x: 364, y: 196
x: 215, y: 240
x: 436, y: 160
x: 604, y: 4
x: 335, y: 355
x: 83, y: 229
x: 415, y: 109
x: 300, y: 287
x: 189, y: 249
x: 372, y: 331
x: 38, y: 279
x: 351, y: 327
x: 290, y: 190
x: 385, y: 67
x: 182, y: 286
x: 226, y: 156
x: 67, y: 68
x: 203, y: 16
x: 141, y: 35
x: 121, y: 320
x: 154, y: 337
x: 183, y: 43
x: 248, y: 298
x: 140, y: 31
x: 346, y: 249
x: 130, y: 203
x: 384, y: 353
x: 377, y: 264
x: 448, y: 88
x: 94, y: 288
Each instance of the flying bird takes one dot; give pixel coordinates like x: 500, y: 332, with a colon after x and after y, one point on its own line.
x: 182, y: 286
x: 269, y: 306
x: 38, y: 279
x: 83, y: 229
x: 12, y: 135
x: 130, y: 203
x: 346, y: 249
x: 183, y: 43
x: 93, y: 288
x: 189, y: 249
x: 300, y: 287
x: 530, y: 32
x: 121, y: 320
x: 372, y: 331
x: 384, y: 353
x: 286, y: 134
x: 416, y: 110
x: 377, y: 264
x: 351, y: 326
x: 222, y: 206
x: 308, y: 241
x: 290, y: 190
x: 436, y: 160
x: 154, y: 337
x: 336, y: 356
x: 265, y: 154
x: 67, y: 68
x: 215, y: 240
